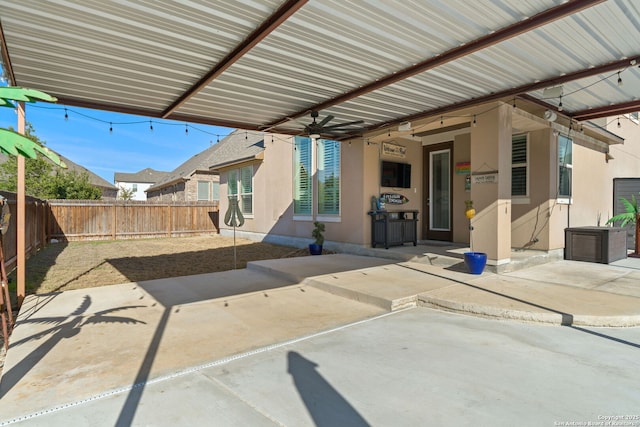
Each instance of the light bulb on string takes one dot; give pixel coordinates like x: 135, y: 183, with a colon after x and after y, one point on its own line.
x: 514, y: 103
x: 441, y: 121
x: 560, y: 104
x: 619, y: 80
x: 110, y: 127
x: 186, y: 129
x: 150, y: 126
x: 66, y: 115
x: 619, y: 125
x: 474, y: 124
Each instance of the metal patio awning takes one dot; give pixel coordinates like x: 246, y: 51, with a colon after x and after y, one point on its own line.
x: 259, y: 64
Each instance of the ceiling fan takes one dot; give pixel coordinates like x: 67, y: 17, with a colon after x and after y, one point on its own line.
x: 315, y: 129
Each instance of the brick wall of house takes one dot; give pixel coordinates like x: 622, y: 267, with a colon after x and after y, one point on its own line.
x: 192, y: 184
x: 170, y: 193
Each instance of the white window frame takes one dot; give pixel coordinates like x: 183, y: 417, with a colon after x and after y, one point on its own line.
x: 564, y: 199
x: 522, y: 199
x: 198, y: 190
x: 328, y: 217
x: 314, y: 184
x: 236, y: 175
x: 298, y: 141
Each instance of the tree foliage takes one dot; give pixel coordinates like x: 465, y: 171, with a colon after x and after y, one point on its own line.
x: 126, y: 193
x: 43, y: 179
x: 631, y: 215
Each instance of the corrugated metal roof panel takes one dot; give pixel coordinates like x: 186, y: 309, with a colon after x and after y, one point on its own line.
x: 147, y: 54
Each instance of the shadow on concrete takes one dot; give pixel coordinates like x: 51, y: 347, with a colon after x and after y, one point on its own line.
x: 324, y: 403
x: 567, y: 318
x: 605, y: 336
x: 63, y: 327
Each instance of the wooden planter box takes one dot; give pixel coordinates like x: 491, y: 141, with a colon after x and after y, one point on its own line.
x: 595, y: 244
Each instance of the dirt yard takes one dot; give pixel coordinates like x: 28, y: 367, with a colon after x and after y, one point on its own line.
x: 77, y: 265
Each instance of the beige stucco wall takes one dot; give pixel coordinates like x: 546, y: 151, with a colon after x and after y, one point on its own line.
x: 536, y: 223
x: 273, y: 195
x: 491, y: 151
x: 530, y: 215
x: 461, y: 153
x: 372, y: 159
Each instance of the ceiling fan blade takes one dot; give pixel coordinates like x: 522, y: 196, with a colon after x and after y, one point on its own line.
x: 347, y: 124
x: 326, y: 120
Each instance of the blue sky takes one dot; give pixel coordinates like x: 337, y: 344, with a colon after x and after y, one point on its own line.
x: 85, y: 138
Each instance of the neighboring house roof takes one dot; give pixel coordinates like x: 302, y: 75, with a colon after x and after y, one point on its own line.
x: 199, y: 162
x: 94, y: 179
x: 145, y: 176
x: 237, y: 147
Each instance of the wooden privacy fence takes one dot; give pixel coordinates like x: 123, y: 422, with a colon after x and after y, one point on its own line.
x: 110, y: 220
x: 35, y: 228
x: 69, y: 220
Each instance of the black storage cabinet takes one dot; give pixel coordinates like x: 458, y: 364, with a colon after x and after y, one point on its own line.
x: 595, y: 244
x: 393, y: 228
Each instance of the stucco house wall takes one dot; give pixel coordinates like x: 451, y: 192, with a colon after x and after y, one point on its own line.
x: 536, y: 221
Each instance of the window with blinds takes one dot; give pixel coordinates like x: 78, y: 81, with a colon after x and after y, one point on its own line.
x: 203, y: 190
x: 328, y: 177
x: 246, y: 189
x: 215, y: 191
x: 302, y: 183
x: 240, y: 184
x: 565, y: 167
x: 519, y: 165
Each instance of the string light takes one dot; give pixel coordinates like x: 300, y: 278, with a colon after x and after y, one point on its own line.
x: 110, y: 127
x: 150, y: 125
x: 441, y: 121
x: 514, y: 103
x: 619, y: 125
x: 186, y: 129
x: 619, y: 80
x: 66, y: 115
x: 474, y: 124
x: 560, y: 104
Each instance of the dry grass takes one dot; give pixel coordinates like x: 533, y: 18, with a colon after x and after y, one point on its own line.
x: 78, y: 265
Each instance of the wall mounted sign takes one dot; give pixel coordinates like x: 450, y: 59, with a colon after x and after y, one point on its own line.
x: 394, y: 150
x: 394, y: 198
x: 485, y: 178
x: 463, y: 168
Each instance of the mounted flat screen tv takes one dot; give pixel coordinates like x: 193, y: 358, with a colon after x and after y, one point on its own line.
x: 395, y: 174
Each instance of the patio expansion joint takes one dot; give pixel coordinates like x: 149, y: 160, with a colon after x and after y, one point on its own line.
x: 192, y: 369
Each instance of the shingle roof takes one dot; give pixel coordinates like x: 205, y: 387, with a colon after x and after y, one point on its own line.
x: 94, y: 179
x: 199, y: 162
x: 238, y: 145
x: 146, y: 175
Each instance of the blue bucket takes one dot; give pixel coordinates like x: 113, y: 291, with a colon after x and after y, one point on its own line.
x: 475, y: 261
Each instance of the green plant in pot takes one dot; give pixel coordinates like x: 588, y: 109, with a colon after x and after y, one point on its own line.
x: 630, y: 216
x: 315, y: 248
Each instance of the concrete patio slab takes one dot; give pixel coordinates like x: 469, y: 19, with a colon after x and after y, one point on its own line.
x: 73, y: 347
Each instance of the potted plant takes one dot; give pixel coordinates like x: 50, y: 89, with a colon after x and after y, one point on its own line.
x: 315, y: 248
x: 631, y: 215
x: 475, y: 261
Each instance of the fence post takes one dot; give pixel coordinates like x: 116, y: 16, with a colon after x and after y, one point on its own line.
x: 169, y: 220
x: 114, y: 222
